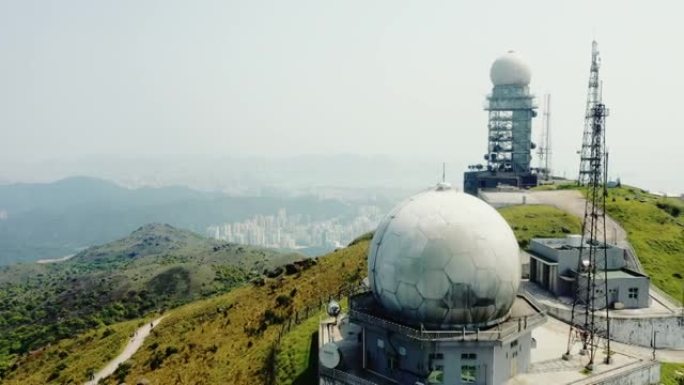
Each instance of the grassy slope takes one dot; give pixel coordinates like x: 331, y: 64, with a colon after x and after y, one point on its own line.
x: 220, y: 340
x: 90, y: 350
x: 295, y: 350
x: 654, y: 232
x: 156, y: 267
x: 539, y: 221
x: 669, y: 375
x: 219, y: 347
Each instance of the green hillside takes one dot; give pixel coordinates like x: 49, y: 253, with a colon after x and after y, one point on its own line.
x: 539, y: 221
x: 226, y: 339
x: 154, y: 268
x: 655, y: 228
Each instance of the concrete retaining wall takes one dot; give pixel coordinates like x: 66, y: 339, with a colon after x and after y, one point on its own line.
x: 637, y: 331
x: 646, y: 374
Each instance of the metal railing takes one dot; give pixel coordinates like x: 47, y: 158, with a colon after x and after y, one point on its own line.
x: 343, y: 377
x: 492, y: 334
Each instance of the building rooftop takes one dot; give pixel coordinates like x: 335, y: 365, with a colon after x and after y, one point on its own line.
x: 562, y: 243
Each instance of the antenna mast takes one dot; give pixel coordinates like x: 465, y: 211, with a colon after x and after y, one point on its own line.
x: 591, y: 284
x: 593, y: 98
x: 544, y: 149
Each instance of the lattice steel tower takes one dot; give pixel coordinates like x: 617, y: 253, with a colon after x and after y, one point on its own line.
x: 593, y: 98
x: 511, y: 109
x: 591, y: 276
x: 544, y: 148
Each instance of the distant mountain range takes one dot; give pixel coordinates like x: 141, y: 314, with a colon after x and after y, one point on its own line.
x: 60, y: 218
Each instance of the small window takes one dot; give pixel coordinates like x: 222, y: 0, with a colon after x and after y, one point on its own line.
x: 402, y: 351
x: 633, y: 292
x: 468, y: 374
x: 381, y: 343
x: 514, y: 343
x: 468, y: 356
x: 436, y: 356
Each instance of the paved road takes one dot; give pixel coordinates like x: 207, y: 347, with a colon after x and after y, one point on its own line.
x: 133, y: 345
x: 571, y: 201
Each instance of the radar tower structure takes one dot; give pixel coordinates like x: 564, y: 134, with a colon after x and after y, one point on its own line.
x: 591, y: 284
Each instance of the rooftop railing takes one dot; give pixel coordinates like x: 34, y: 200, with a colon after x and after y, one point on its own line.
x: 500, y: 331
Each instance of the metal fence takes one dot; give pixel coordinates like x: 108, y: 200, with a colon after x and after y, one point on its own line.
x: 271, y: 365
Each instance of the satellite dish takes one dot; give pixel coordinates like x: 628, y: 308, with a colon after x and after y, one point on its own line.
x: 330, y: 355
x: 334, y: 309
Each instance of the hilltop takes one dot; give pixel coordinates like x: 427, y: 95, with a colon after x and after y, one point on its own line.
x: 156, y: 267
x: 229, y: 338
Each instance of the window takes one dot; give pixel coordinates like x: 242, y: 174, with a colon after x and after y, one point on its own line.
x: 468, y: 374
x: 468, y: 356
x: 436, y: 356
x: 381, y: 343
x: 514, y: 343
x: 634, y: 292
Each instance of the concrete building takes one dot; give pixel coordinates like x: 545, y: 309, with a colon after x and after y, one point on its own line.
x: 443, y: 307
x: 511, y: 108
x: 554, y: 266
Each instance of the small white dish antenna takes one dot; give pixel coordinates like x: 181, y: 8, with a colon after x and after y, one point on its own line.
x: 330, y: 355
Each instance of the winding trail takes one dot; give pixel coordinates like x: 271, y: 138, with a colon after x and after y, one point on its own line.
x: 133, y: 345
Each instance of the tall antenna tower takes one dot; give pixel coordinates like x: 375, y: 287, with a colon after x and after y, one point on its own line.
x: 544, y: 149
x: 591, y: 278
x: 593, y: 98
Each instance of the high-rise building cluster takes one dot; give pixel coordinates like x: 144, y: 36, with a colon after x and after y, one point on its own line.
x: 295, y: 231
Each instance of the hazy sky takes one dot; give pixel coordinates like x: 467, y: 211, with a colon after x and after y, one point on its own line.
x: 281, y: 78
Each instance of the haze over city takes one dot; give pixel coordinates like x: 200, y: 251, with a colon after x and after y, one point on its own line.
x: 147, y: 88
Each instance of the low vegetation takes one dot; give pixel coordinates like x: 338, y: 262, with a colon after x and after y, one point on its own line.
x: 671, y: 374
x: 229, y: 338
x: 539, y: 221
x: 655, y: 228
x: 72, y: 361
x: 297, y: 353
x: 155, y: 268
x: 226, y: 339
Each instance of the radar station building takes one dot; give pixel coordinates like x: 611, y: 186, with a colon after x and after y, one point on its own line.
x: 511, y: 108
x: 554, y: 264
x: 442, y: 303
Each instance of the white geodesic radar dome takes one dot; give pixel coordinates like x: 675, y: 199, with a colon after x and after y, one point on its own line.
x: 510, y: 69
x: 444, y: 259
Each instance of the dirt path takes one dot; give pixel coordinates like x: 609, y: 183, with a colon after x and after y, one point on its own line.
x: 133, y: 345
